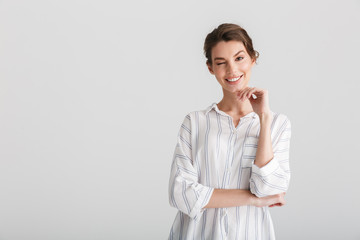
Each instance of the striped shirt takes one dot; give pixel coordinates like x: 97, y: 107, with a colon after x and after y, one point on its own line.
x: 211, y: 153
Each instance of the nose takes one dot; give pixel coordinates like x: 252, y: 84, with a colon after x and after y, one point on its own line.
x: 231, y: 69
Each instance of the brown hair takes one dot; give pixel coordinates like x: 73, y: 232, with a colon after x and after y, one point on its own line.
x: 227, y: 32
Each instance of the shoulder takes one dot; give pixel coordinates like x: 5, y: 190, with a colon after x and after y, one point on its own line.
x: 280, y: 121
x: 197, y: 114
x: 190, y: 117
x: 280, y: 116
x: 194, y: 119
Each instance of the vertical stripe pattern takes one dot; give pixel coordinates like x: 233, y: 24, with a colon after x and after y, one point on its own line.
x: 212, y: 153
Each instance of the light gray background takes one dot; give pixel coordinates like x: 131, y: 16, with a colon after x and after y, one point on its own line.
x: 93, y: 94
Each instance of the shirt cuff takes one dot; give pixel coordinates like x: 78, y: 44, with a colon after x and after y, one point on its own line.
x: 266, y: 170
x: 203, y: 200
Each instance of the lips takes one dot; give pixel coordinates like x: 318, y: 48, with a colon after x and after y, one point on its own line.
x: 234, y: 79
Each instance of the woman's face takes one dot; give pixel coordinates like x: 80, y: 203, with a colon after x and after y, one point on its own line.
x: 231, y: 65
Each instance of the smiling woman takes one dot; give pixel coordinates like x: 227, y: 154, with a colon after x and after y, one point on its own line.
x: 230, y: 68
x: 231, y: 161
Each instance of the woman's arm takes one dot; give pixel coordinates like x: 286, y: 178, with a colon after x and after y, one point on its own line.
x: 270, y: 173
x: 264, y: 151
x: 185, y: 192
x: 222, y: 198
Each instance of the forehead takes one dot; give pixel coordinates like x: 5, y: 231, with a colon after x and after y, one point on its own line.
x: 227, y: 49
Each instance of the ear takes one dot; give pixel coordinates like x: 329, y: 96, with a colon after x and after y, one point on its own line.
x: 210, y: 68
x: 253, y: 62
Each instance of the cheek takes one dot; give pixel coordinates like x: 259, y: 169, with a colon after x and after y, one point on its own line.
x: 219, y: 71
x: 246, y: 66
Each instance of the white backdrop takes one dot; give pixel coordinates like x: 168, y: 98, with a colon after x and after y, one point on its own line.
x: 93, y: 93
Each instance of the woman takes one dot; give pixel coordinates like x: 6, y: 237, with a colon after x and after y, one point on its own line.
x: 231, y: 161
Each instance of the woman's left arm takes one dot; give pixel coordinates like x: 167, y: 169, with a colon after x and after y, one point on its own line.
x: 270, y: 173
x: 271, y: 170
x: 264, y: 152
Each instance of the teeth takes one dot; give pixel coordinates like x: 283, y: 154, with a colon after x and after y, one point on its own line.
x: 233, y: 79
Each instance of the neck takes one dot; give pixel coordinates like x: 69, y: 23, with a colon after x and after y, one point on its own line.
x: 231, y: 104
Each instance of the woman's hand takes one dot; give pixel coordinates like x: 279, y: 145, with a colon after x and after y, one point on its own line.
x: 270, y: 201
x: 260, y: 105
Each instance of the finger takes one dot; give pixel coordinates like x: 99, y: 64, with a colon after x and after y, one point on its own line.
x: 246, y: 93
x: 241, y: 94
x: 242, y: 91
x: 249, y: 91
x: 252, y: 91
x: 275, y: 205
x: 258, y: 90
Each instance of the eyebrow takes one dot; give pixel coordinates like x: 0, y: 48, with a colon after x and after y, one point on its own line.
x: 220, y: 58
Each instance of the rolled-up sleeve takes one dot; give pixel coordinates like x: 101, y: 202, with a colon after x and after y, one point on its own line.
x: 274, y: 177
x: 185, y: 192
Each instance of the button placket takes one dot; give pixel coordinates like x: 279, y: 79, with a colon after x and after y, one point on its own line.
x: 228, y: 170
x: 225, y: 179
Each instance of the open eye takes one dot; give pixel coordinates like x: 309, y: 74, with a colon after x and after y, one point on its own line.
x: 239, y: 58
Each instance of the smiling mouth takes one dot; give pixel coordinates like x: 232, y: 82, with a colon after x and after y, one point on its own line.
x: 233, y: 79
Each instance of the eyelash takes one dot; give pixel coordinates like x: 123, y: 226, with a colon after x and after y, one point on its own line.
x: 223, y: 62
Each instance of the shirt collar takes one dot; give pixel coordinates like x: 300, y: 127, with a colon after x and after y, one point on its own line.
x: 215, y: 108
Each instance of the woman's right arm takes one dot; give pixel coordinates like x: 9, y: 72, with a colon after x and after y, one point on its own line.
x: 222, y: 198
